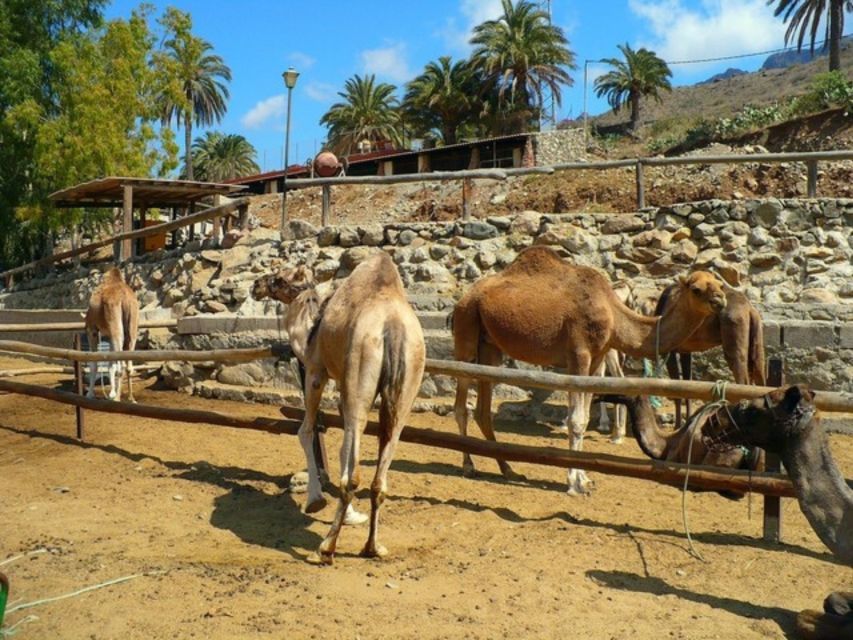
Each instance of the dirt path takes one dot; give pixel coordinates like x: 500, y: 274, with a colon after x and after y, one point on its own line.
x: 206, y: 509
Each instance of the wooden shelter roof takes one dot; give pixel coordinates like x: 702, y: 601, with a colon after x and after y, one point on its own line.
x: 147, y: 192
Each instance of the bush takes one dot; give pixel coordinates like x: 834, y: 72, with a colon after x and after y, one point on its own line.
x: 829, y: 89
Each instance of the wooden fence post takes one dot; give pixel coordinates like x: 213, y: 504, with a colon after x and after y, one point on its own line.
x: 467, y: 187
x: 773, y: 504
x: 327, y: 204
x: 78, y: 381
x: 641, y: 187
x: 812, y: 178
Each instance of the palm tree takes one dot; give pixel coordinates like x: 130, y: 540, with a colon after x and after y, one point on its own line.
x: 217, y: 157
x: 642, y: 73
x: 193, y: 81
x: 804, y: 17
x: 443, y: 97
x: 368, y: 112
x: 521, y: 53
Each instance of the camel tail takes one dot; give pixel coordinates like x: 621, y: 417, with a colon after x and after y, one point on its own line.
x: 757, y: 362
x: 393, y: 375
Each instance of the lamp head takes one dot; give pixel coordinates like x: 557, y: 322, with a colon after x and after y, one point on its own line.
x: 290, y: 77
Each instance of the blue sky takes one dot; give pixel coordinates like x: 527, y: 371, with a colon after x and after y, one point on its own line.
x: 329, y: 41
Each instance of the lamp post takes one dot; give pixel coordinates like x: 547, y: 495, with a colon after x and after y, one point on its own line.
x: 290, y: 77
x: 585, y: 114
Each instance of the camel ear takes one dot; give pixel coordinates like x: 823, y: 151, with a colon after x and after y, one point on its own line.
x: 793, y: 396
x: 683, y: 280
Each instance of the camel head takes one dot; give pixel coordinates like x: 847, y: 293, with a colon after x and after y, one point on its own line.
x: 771, y: 421
x: 702, y: 292
x: 283, y: 285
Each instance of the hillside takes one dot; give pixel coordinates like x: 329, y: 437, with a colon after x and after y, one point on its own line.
x: 727, y: 96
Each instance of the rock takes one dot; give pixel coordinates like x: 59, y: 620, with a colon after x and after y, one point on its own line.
x: 767, y: 213
x: 432, y: 272
x: 500, y: 222
x: 526, y: 223
x: 348, y: 237
x: 212, y: 255
x: 372, y: 235
x: 707, y: 257
x: 177, y: 375
x: 249, y: 374
x: 758, y: 237
x: 353, y: 257
x: 498, y: 198
x: 326, y: 269
x: 655, y: 238
x: 419, y: 255
x: 765, y: 260
x: 684, y: 251
x: 407, y: 237
x: 641, y: 255
x: 214, y: 306
x: 439, y: 251
x: 818, y: 296
x: 570, y: 237
x: 300, y: 230
x: 695, y: 218
x: 486, y: 259
x: 681, y: 233
x: 172, y: 296
x: 328, y: 236
x: 478, y: 230
x: 623, y: 224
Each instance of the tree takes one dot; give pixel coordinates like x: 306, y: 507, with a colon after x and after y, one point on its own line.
x: 520, y: 54
x: 641, y: 74
x: 804, y: 18
x: 193, y: 87
x: 442, y: 98
x: 218, y: 157
x: 368, y: 112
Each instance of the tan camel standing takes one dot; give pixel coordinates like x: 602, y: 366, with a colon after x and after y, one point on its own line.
x: 113, y: 313
x: 366, y: 337
x: 737, y: 328
x: 547, y: 312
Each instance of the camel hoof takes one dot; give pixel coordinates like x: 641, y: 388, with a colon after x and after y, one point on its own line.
x: 469, y: 471
x: 320, y: 559
x: 378, y: 551
x: 618, y: 440
x: 316, y: 505
x: 353, y: 517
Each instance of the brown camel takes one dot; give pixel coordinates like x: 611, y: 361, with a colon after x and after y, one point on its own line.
x: 710, y: 445
x: 545, y: 311
x: 737, y: 328
x: 789, y: 425
x: 113, y: 313
x: 366, y: 337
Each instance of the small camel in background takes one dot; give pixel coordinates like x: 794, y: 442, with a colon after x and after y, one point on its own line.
x: 113, y: 313
x: 366, y: 337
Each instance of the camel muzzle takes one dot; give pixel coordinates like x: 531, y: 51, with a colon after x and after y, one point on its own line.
x: 718, y: 302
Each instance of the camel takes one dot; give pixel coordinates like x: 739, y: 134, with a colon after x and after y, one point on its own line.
x: 709, y: 446
x: 114, y: 313
x: 366, y: 337
x: 789, y: 425
x: 737, y: 328
x: 545, y: 311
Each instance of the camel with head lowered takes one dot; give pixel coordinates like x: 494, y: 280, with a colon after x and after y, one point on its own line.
x: 737, y: 328
x: 545, y: 311
x: 113, y: 313
x: 788, y: 424
x: 366, y: 337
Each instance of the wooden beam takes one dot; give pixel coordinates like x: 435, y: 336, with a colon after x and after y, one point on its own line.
x: 127, y: 223
x: 772, y: 463
x: 435, y: 176
x: 77, y: 326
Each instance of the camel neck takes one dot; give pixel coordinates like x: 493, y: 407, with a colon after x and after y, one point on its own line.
x: 300, y: 319
x: 822, y: 492
x: 637, y: 335
x: 647, y: 431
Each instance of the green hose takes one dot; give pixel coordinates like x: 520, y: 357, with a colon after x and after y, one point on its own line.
x: 4, y: 595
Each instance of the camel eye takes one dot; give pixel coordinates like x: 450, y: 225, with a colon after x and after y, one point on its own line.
x: 696, y: 290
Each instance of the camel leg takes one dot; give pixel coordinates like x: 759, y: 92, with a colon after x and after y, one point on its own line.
x: 130, y: 345
x: 604, y: 425
x: 577, y: 421
x: 612, y: 364
x: 460, y: 412
x: 315, y: 381
x: 736, y: 351
x: 94, y: 337
x: 491, y: 356
x: 674, y: 371
x: 687, y: 374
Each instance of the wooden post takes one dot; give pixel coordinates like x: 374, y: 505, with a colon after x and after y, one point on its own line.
x: 641, y: 187
x: 217, y: 222
x: 139, y: 243
x: 244, y: 217
x: 467, y: 188
x: 78, y: 380
x: 327, y: 204
x: 812, y: 178
x: 773, y: 504
x: 127, y: 223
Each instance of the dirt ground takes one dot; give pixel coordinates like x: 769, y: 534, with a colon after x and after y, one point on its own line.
x: 207, y: 516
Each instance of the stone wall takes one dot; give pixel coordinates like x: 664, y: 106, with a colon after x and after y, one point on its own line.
x: 559, y: 145
x: 791, y: 257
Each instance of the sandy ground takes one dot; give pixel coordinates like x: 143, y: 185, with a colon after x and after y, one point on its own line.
x: 206, y: 513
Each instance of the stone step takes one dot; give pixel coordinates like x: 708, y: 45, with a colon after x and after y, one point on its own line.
x: 433, y: 320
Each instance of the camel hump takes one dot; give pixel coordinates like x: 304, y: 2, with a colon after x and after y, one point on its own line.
x: 114, y: 274
x: 377, y: 273
x: 537, y: 258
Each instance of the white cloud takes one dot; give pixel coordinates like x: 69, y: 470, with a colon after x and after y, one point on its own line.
x: 388, y: 62
x: 301, y: 60
x: 320, y: 91
x: 717, y: 28
x: 474, y: 12
x: 269, y: 109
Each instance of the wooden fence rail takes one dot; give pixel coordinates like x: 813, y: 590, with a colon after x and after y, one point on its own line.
x: 77, y: 326
x: 693, y: 389
x: 200, y: 216
x: 700, y: 477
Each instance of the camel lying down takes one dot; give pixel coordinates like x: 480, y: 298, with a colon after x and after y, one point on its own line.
x: 366, y: 337
x: 710, y: 437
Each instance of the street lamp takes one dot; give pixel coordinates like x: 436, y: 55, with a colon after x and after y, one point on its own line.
x: 290, y: 77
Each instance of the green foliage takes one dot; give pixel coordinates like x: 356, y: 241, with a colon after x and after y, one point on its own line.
x: 827, y: 90
x: 641, y: 74
x: 192, y: 87
x: 805, y: 17
x: 520, y: 55
x: 218, y: 157
x: 368, y: 112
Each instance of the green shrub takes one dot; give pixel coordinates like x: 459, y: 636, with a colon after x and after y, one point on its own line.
x: 827, y: 90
